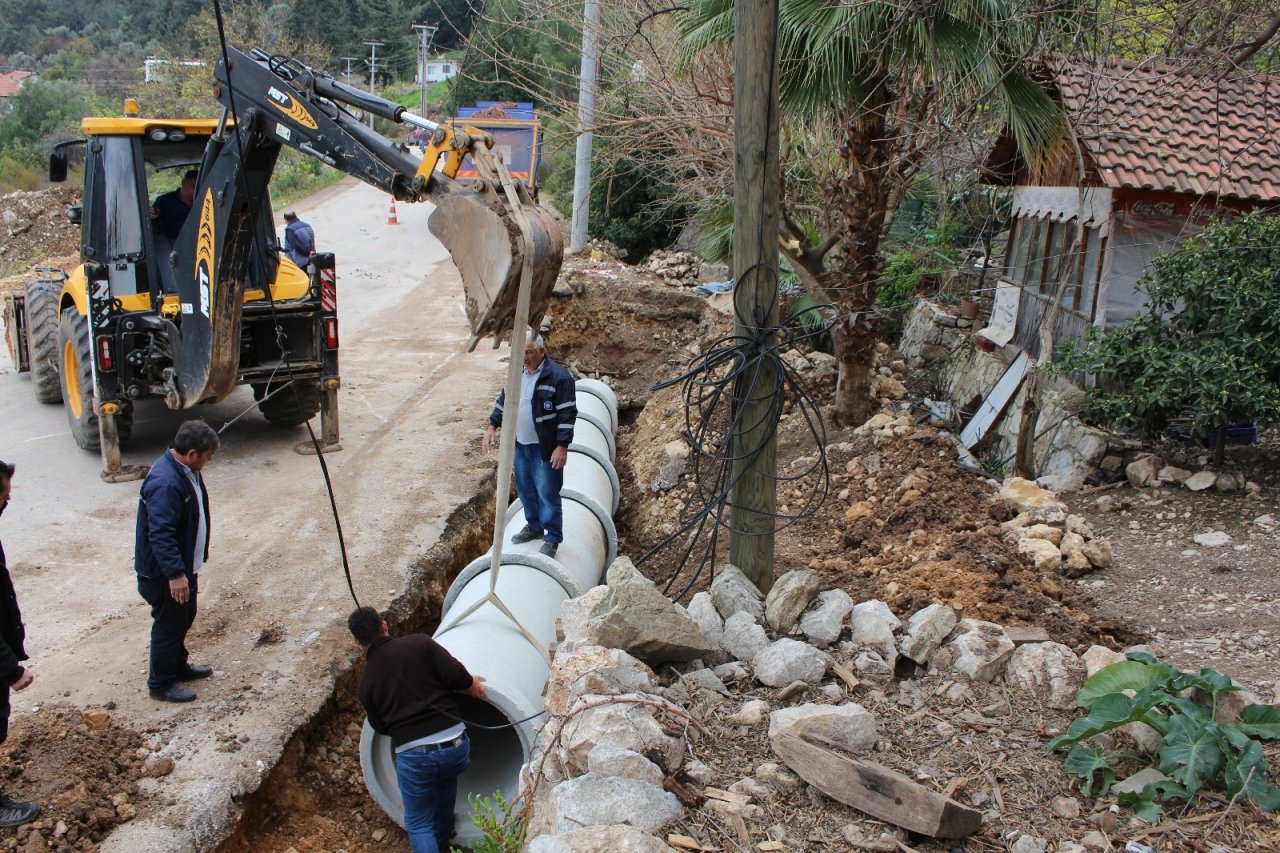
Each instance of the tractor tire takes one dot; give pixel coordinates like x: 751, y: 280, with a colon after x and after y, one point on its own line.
x: 41, y: 308
x: 76, y: 369
x: 292, y: 405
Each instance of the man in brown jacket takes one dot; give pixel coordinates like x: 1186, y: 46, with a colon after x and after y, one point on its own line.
x: 408, y: 691
x: 13, y: 675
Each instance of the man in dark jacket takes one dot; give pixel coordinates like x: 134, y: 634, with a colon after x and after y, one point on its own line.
x: 407, y: 690
x: 170, y: 548
x: 13, y: 674
x: 544, y: 431
x: 299, y: 240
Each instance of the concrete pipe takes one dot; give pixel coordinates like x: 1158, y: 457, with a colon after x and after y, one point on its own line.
x: 532, y: 586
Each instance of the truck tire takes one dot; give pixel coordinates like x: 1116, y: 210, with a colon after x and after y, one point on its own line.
x: 287, y: 408
x: 76, y: 372
x: 41, y: 308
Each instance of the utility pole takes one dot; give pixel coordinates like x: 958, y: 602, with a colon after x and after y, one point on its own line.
x: 756, y: 408
x: 586, y: 121
x: 425, y: 33
x: 373, y: 70
x: 348, y: 60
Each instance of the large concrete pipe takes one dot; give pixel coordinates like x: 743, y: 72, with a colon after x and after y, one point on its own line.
x: 532, y: 586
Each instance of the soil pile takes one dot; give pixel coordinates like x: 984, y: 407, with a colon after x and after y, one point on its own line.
x: 82, y: 768
x: 35, y: 231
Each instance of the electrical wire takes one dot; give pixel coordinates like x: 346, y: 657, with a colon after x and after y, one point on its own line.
x: 733, y: 370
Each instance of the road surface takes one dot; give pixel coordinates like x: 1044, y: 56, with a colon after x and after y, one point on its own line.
x: 413, y: 404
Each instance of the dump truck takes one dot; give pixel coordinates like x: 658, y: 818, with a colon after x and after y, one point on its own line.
x: 188, y: 319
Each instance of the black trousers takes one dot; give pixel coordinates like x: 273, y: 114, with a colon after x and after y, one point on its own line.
x: 170, y: 622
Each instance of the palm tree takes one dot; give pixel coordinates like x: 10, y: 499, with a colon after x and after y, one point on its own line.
x: 897, y: 79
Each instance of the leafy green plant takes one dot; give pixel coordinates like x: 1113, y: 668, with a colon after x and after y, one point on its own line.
x: 501, y: 824
x: 1207, y: 344
x: 1196, y: 750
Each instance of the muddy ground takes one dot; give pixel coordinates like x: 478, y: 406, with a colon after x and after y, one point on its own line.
x: 941, y: 544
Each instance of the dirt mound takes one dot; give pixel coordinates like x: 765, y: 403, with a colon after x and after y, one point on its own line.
x: 82, y: 768
x: 34, y: 230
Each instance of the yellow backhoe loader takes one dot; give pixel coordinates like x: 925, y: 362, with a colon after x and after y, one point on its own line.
x: 188, y: 319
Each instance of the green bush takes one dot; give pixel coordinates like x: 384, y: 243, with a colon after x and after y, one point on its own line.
x: 502, y: 828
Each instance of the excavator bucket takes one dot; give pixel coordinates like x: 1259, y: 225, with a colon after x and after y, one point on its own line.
x: 482, y: 230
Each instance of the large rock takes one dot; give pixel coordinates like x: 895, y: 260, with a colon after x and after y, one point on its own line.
x: 787, y: 660
x: 849, y: 727
x: 607, y: 760
x: 980, y: 649
x: 1025, y: 496
x: 1097, y: 552
x: 599, y: 839
x: 1049, y: 670
x: 824, y: 620
x: 624, y: 724
x: 592, y: 800
x: 571, y: 625
x: 635, y: 616
x: 593, y: 670
x: 1143, y: 471
x: 1044, y: 555
x: 926, y: 630
x: 732, y: 592
x: 871, y: 627
x: 1097, y: 657
x: 1200, y: 481
x: 707, y: 618
x: 789, y: 597
x: 743, y: 637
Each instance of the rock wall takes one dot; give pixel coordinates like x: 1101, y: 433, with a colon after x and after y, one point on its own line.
x: 1066, y: 450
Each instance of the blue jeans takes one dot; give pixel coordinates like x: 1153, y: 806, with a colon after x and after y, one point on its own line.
x: 538, y: 485
x: 428, y: 782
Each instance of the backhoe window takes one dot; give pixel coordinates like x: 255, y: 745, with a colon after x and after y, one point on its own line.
x: 123, y: 213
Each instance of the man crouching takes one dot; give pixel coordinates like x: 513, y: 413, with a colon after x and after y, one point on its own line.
x: 407, y: 690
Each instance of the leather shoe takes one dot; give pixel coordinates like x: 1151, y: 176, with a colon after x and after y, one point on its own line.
x: 549, y: 548
x: 194, y: 672
x: 528, y: 534
x: 174, y: 693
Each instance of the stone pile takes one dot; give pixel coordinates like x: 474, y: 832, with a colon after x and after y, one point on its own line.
x: 1147, y: 470
x: 616, y: 732
x: 1049, y: 537
x: 680, y: 268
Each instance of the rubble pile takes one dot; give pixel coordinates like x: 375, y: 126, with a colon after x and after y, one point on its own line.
x: 675, y: 737
x: 34, y: 229
x: 681, y: 268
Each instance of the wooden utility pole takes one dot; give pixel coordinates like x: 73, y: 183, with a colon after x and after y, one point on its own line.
x: 755, y: 264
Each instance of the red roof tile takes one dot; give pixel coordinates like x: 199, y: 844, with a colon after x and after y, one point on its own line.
x: 10, y: 82
x: 1154, y: 127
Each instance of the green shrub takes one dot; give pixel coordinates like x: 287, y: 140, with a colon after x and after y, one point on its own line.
x: 502, y: 827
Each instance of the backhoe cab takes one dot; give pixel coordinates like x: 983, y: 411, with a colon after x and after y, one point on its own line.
x: 187, y: 319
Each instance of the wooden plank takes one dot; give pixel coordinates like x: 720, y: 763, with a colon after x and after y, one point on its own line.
x: 684, y: 842
x: 1022, y: 635
x: 845, y: 674
x: 880, y: 792
x: 772, y: 847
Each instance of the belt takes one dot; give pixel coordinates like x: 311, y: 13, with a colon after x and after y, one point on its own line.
x: 433, y: 747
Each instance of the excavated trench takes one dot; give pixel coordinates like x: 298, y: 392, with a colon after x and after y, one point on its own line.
x: 315, y: 798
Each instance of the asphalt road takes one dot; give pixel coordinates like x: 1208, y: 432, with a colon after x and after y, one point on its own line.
x: 412, y: 405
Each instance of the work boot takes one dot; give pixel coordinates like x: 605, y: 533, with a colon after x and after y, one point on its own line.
x: 173, y: 693
x: 528, y: 534
x: 194, y: 672
x: 14, y: 813
x: 549, y: 548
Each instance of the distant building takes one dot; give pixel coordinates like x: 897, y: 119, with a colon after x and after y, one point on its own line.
x: 153, y: 69
x: 438, y: 70
x: 10, y: 83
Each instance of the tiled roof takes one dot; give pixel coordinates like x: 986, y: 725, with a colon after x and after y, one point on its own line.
x: 10, y: 82
x: 1155, y: 128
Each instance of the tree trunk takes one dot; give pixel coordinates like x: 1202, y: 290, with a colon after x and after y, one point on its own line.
x: 863, y: 205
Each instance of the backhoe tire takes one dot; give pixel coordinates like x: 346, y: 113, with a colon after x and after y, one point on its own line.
x: 41, y: 308
x: 76, y: 372
x: 287, y: 408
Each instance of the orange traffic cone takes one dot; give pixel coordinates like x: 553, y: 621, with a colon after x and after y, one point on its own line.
x: 391, y: 217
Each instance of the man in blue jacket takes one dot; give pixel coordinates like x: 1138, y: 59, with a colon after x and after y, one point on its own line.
x: 170, y: 548
x: 13, y: 675
x: 544, y: 431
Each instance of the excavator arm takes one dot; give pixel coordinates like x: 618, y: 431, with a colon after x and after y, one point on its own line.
x: 491, y: 227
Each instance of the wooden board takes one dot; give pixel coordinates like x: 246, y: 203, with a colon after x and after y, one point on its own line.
x: 1022, y: 635
x: 878, y: 791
